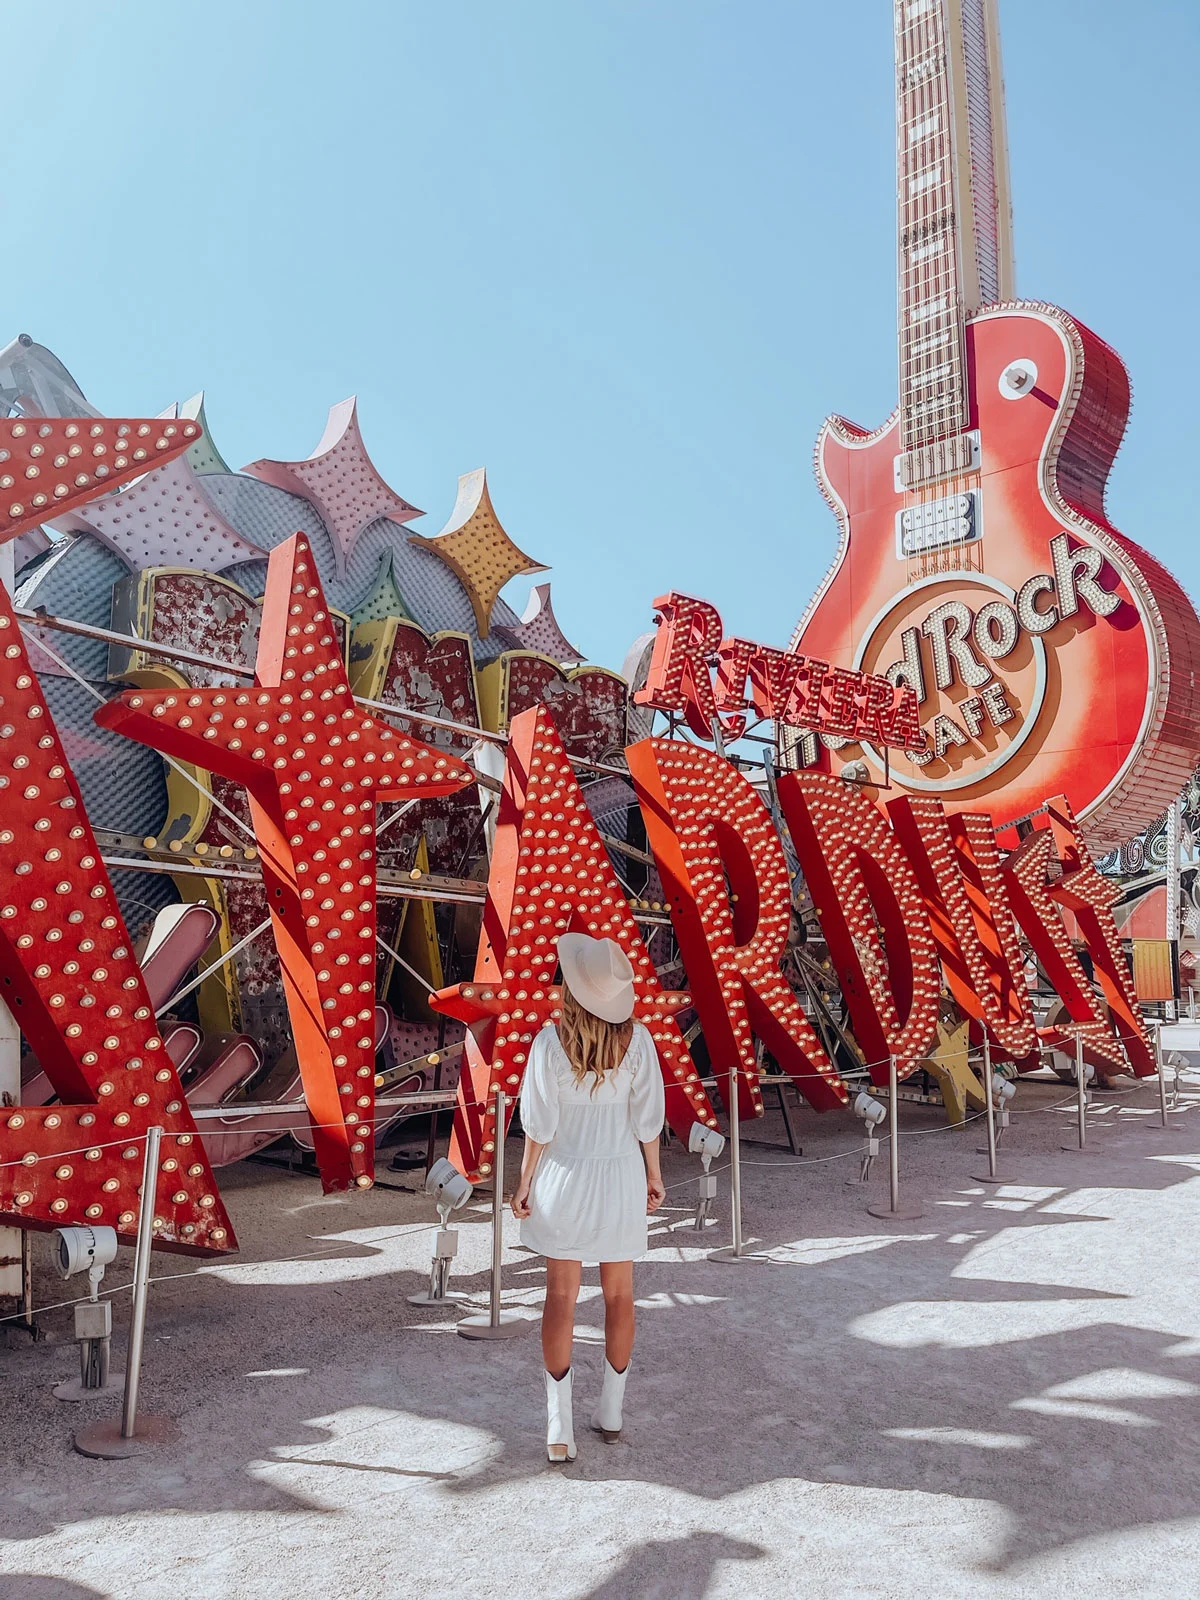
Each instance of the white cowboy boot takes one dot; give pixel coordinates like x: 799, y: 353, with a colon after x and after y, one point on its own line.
x: 606, y: 1418
x: 560, y: 1431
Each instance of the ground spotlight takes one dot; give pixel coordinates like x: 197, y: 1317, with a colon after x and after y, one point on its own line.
x: 89, y: 1250
x: 706, y: 1143
x: 1003, y: 1090
x: 872, y: 1112
x: 452, y: 1191
x: 84, y: 1249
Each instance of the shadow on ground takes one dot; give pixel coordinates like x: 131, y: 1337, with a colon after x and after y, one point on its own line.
x: 1034, y: 1348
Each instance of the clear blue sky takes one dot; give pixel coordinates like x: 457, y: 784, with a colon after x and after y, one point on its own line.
x: 626, y: 254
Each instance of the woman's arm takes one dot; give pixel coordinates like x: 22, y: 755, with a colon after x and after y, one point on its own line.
x: 539, y: 1115
x: 529, y: 1164
x: 655, y: 1192
x: 646, y: 1109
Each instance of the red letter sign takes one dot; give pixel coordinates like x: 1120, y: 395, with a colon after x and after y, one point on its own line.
x: 706, y: 825
x: 872, y: 914
x: 1091, y: 897
x: 680, y: 678
x: 958, y: 866
x: 79, y: 998
x: 550, y: 875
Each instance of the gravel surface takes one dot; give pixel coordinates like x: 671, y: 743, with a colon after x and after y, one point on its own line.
x: 997, y: 1399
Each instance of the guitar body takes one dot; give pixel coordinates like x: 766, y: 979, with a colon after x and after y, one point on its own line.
x: 1048, y: 720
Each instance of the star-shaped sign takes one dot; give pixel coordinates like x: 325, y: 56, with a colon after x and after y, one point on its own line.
x: 49, y: 465
x: 315, y: 767
x: 475, y: 547
x: 341, y: 481
x: 538, y: 630
x: 164, y: 520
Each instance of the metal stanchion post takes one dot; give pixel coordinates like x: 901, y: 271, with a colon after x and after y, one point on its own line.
x: 1162, y: 1075
x: 110, y: 1440
x: 1081, y: 1100
x: 992, y: 1175
x: 497, y: 1324
x: 141, y: 1284
x: 736, y: 1251
x: 894, y: 1211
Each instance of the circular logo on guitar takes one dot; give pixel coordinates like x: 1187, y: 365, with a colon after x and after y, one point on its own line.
x: 986, y: 661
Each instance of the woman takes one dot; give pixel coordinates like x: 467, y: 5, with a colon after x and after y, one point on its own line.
x: 593, y: 1092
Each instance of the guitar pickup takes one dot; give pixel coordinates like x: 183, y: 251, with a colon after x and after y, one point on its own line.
x: 944, y: 458
x: 954, y: 520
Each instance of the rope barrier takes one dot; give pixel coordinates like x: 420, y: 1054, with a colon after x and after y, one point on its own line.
x: 231, y: 1112
x: 135, y: 1138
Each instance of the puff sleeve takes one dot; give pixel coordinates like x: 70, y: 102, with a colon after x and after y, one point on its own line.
x: 539, y: 1091
x: 647, y: 1099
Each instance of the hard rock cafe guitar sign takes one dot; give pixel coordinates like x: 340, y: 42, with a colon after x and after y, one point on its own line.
x: 977, y: 565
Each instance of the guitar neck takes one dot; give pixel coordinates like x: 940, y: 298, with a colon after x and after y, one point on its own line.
x: 954, y: 227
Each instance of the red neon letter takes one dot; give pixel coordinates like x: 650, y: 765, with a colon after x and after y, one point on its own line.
x: 80, y: 999
x: 958, y: 867
x: 861, y: 883
x: 707, y: 825
x: 680, y: 678
x: 1091, y: 897
x: 550, y: 875
x: 1083, y: 891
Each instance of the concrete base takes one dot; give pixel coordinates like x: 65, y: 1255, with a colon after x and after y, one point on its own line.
x: 986, y: 1177
x: 510, y: 1325
x: 728, y: 1254
x: 72, y: 1388
x: 103, y: 1442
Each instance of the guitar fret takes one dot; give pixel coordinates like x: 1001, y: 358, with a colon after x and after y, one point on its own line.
x: 925, y: 180
x: 928, y: 308
x: 932, y: 387
x: 940, y: 371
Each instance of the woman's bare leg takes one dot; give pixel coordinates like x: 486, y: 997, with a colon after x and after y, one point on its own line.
x: 616, y: 1279
x: 558, y: 1314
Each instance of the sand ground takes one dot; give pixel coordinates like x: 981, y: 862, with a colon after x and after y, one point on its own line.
x: 998, y: 1399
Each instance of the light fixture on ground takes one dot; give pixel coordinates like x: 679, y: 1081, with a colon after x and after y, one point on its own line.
x: 452, y: 1190
x: 872, y: 1112
x: 708, y: 1144
x: 1003, y: 1090
x: 88, y: 1250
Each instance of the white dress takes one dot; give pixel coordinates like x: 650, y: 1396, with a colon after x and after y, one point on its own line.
x: 589, y: 1191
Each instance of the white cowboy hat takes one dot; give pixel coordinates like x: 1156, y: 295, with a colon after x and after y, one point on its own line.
x: 599, y: 974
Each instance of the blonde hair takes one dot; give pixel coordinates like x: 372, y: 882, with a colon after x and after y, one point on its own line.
x: 591, y: 1044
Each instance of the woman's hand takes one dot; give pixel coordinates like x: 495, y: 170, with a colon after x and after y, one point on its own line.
x: 520, y: 1200
x: 655, y: 1192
